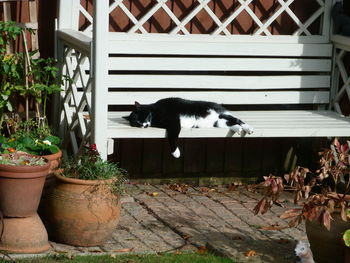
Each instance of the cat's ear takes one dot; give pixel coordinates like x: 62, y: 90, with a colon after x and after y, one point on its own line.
x: 126, y: 118
x: 137, y: 105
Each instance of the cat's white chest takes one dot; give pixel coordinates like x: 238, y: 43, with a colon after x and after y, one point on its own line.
x: 199, y: 122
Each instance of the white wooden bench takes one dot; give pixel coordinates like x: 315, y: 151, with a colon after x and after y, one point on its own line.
x: 283, y: 86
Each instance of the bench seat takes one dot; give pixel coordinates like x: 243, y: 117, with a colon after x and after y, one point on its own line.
x: 286, y: 123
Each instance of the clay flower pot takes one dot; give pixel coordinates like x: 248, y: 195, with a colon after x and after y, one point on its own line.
x: 327, y: 246
x: 23, y: 235
x: 55, y: 160
x: 81, y: 212
x: 21, y: 187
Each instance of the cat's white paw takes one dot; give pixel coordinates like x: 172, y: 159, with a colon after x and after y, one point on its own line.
x: 248, y: 129
x: 176, y: 153
x: 237, y: 129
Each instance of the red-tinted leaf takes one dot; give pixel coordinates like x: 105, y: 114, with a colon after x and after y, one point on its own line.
x: 259, y: 206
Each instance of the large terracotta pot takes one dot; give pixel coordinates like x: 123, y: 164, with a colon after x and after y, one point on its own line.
x: 327, y: 246
x: 23, y: 235
x: 81, y: 212
x: 20, y: 188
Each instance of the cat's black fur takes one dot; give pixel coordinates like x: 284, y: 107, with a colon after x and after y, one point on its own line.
x: 169, y: 114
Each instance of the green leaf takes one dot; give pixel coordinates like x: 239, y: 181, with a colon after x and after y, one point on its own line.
x: 53, y: 139
x: 346, y: 237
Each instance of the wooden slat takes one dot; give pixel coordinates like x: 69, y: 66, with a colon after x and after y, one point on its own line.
x: 331, y: 124
x: 218, y: 82
x: 224, y: 97
x: 213, y: 47
x: 219, y: 64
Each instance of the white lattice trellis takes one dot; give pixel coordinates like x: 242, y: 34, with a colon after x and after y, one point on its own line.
x: 340, y: 72
x: 262, y: 26
x: 77, y: 98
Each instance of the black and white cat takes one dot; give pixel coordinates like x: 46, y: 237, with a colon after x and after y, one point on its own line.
x: 173, y: 114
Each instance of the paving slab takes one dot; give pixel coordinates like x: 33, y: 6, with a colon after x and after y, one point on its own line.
x: 163, y: 218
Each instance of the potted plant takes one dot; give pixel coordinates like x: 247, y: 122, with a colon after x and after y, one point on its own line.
x: 323, y: 198
x: 22, y: 178
x: 84, y: 206
x: 26, y: 82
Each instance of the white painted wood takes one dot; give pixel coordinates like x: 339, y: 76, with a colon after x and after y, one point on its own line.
x: 218, y: 82
x: 223, y: 48
x: 341, y: 42
x: 224, y: 97
x: 68, y: 16
x: 219, y: 64
x: 75, y: 39
x: 310, y: 126
x: 100, y: 75
x: 159, y: 37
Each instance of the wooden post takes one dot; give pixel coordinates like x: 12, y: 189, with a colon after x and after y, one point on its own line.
x: 68, y: 14
x: 100, y: 75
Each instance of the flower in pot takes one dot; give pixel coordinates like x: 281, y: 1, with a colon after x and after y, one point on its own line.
x: 22, y: 178
x: 323, y: 198
x: 84, y: 206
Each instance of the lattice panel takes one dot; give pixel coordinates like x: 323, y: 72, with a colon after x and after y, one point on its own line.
x: 212, y: 17
x: 77, y: 99
x: 341, y: 79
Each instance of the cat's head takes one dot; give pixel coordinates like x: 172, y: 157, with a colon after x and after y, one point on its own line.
x: 140, y: 117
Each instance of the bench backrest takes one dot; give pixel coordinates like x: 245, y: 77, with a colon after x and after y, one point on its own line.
x: 252, y: 72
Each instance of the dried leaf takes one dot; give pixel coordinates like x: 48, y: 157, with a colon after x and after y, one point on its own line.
x: 202, y: 249
x: 250, y: 253
x: 326, y: 219
x: 152, y: 194
x: 186, y: 236
x: 238, y: 238
x: 259, y: 206
x: 86, y: 116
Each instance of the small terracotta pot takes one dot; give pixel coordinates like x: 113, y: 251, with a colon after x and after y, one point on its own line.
x: 20, y: 188
x: 55, y: 160
x: 81, y: 212
x: 24, y: 235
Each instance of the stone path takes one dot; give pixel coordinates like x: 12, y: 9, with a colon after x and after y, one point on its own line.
x: 163, y: 218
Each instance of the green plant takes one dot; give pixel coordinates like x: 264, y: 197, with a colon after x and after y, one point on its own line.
x: 22, y: 75
x: 45, y: 146
x: 20, y: 159
x: 90, y: 166
x: 323, y: 192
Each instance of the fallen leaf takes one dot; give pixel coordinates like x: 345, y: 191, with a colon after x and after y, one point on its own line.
x: 113, y: 255
x: 238, y: 238
x: 122, y: 250
x: 152, y: 193
x: 186, y: 236
x: 250, y: 253
x: 182, y: 188
x: 177, y: 252
x: 86, y: 116
x: 202, y: 249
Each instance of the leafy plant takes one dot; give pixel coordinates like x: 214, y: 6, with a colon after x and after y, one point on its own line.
x: 22, y: 75
x: 15, y: 159
x: 90, y: 166
x: 323, y: 192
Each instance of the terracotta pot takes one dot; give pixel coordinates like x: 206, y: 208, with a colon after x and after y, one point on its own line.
x: 81, y: 212
x: 24, y: 235
x: 20, y: 188
x: 55, y: 160
x: 327, y: 246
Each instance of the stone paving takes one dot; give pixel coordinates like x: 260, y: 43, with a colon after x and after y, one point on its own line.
x: 163, y: 218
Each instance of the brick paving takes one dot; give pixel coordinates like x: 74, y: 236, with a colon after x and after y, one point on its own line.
x: 157, y: 219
